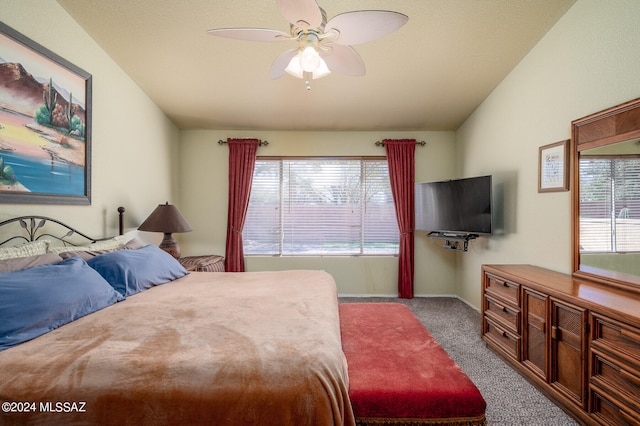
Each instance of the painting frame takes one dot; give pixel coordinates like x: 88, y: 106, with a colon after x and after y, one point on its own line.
x: 553, y: 167
x: 66, y: 95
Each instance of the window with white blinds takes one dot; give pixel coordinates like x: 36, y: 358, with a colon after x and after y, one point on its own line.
x: 321, y: 206
x: 609, y: 204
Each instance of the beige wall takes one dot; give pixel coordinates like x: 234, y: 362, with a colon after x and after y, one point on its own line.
x: 135, y: 146
x: 203, y: 201
x: 587, y: 62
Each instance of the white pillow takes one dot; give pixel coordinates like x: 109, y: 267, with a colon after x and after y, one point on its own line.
x: 110, y: 244
x: 33, y: 248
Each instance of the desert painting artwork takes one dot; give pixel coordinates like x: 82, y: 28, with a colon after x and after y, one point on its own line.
x: 44, y: 125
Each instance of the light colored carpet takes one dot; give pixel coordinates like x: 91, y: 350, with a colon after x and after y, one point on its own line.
x: 511, y: 400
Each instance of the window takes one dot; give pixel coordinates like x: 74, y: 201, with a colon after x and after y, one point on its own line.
x: 609, y: 204
x: 320, y: 206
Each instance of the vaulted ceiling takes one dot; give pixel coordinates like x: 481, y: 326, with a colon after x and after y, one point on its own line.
x: 431, y: 74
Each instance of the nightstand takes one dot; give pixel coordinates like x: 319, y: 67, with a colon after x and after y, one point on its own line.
x: 206, y: 263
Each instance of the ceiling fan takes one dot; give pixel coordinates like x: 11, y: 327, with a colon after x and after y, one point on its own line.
x: 323, y: 46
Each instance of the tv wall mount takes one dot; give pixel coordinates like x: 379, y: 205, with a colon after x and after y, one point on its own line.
x: 454, y: 241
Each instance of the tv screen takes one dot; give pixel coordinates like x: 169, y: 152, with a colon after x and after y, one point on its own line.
x: 461, y: 206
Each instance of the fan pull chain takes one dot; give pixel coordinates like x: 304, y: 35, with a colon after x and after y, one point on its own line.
x: 307, y: 79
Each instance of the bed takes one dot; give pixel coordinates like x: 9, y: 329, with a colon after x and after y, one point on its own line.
x: 116, y: 332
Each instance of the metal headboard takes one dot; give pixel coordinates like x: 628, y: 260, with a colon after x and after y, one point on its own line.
x: 32, y: 228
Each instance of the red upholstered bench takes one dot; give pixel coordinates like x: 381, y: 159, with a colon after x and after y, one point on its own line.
x: 399, y: 375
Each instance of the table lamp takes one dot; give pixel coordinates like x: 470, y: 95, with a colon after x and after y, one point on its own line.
x: 166, y: 218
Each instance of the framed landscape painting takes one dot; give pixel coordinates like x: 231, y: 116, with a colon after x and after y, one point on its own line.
x: 45, y: 125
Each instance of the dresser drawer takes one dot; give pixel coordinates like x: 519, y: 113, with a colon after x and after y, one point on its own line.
x: 502, y: 289
x: 621, y: 380
x: 502, y: 339
x: 617, y: 338
x: 612, y: 413
x: 502, y: 313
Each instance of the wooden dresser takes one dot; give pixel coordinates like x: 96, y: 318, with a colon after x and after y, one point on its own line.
x: 577, y: 341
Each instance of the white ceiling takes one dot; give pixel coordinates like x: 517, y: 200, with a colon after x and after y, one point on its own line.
x: 429, y: 75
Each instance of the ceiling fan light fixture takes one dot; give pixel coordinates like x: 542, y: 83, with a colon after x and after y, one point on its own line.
x: 296, y: 69
x: 322, y: 70
x: 309, y: 59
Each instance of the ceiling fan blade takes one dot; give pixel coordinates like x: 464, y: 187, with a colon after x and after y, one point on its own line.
x: 302, y: 13
x: 365, y: 25
x: 280, y: 63
x: 251, y: 34
x: 345, y: 60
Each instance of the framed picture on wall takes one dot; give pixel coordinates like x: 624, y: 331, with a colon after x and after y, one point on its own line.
x: 553, y: 167
x: 45, y: 125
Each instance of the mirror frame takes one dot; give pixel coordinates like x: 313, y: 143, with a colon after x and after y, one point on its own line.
x: 616, y: 124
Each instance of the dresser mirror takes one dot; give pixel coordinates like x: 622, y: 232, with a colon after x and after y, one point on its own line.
x: 606, y: 196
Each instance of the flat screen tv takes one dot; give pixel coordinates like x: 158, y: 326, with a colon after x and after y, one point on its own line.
x: 458, y: 206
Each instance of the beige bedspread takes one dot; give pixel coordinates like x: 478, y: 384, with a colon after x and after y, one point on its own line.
x: 210, y: 348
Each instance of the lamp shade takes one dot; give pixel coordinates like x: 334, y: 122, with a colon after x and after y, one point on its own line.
x: 165, y: 218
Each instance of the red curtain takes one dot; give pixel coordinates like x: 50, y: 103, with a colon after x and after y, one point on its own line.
x: 242, y: 160
x: 401, y: 159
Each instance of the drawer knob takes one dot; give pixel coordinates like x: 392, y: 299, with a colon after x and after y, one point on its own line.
x: 501, y: 332
x: 500, y: 307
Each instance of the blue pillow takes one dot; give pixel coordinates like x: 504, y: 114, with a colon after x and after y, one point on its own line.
x: 132, y: 271
x: 37, y: 300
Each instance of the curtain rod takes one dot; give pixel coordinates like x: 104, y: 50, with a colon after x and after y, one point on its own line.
x: 260, y: 142
x: 421, y: 143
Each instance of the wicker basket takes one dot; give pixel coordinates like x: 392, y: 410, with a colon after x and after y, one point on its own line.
x: 206, y: 263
